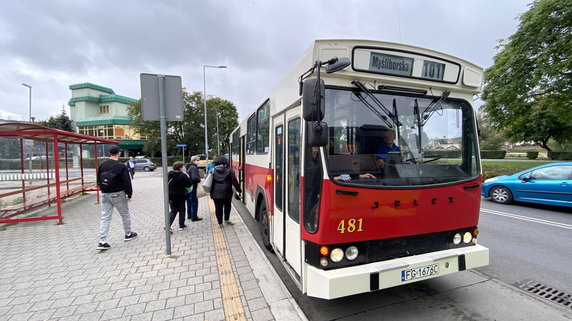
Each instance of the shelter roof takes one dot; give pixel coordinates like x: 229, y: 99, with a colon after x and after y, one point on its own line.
x: 37, y: 132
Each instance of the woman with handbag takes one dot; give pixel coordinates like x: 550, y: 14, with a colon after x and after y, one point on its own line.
x: 223, y: 179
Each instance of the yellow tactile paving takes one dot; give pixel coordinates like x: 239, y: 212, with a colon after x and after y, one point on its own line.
x: 233, y: 308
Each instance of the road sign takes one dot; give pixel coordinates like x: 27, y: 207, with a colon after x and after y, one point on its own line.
x: 181, y: 145
x: 172, y: 97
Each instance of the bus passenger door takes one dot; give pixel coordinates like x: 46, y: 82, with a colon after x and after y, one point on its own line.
x: 293, y: 161
x: 278, y: 210
x: 241, y: 160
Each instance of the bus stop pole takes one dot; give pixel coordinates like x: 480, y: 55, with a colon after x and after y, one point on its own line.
x: 163, y: 125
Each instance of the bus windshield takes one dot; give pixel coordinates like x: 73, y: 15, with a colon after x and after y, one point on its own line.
x: 399, y: 140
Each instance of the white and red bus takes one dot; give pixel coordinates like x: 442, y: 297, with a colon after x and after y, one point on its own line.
x: 345, y: 209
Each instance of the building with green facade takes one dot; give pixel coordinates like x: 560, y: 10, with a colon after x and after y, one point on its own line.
x: 98, y: 111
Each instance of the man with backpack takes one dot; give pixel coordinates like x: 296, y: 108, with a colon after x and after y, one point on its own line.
x: 115, y: 184
x: 192, y: 199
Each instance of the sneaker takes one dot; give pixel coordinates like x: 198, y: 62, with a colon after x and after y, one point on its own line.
x: 228, y: 223
x: 182, y: 227
x: 197, y: 219
x: 130, y: 237
x: 220, y: 226
x: 103, y: 246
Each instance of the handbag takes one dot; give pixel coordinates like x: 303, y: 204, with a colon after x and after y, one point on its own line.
x: 208, y: 183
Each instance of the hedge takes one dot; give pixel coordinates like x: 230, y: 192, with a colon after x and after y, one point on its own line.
x: 532, y: 155
x: 444, y: 153
x: 493, y: 154
x: 560, y: 155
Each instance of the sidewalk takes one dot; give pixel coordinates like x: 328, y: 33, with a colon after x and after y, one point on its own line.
x: 54, y: 272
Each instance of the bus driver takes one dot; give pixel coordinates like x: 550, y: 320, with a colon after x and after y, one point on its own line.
x: 386, y: 147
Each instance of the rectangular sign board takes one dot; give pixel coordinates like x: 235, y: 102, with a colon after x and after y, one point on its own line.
x: 172, y: 97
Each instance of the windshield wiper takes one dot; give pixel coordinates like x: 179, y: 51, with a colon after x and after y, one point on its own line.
x: 374, y: 110
x: 433, y: 107
x: 369, y: 94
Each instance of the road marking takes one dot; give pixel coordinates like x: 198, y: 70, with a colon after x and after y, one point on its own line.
x: 529, y: 219
x: 233, y: 308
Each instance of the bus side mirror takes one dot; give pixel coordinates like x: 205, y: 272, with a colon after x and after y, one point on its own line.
x: 317, y: 133
x: 313, y: 99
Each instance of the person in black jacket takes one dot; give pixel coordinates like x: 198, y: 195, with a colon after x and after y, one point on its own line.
x: 178, y: 183
x: 221, y: 189
x: 115, y: 184
x: 192, y: 199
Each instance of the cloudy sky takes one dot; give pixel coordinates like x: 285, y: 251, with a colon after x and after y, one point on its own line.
x: 53, y: 44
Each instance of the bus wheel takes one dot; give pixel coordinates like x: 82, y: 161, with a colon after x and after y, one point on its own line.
x: 265, y: 226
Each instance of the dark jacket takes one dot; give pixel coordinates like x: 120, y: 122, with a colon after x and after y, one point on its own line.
x: 193, y: 171
x: 178, y: 181
x: 113, y: 176
x: 223, y: 180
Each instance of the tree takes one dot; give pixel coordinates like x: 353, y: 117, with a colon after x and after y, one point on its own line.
x: 528, y: 90
x: 191, y: 130
x: 489, y: 137
x: 62, y: 121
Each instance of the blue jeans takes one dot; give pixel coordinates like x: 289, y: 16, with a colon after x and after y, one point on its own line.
x: 192, y: 205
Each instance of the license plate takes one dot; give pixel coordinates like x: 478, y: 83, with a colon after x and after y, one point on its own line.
x: 419, y: 272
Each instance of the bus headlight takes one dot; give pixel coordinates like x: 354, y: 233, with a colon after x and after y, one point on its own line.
x: 352, y: 253
x: 467, y: 237
x: 336, y: 255
x: 457, y: 239
x: 324, y: 262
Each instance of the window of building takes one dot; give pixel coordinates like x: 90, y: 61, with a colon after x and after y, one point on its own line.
x: 104, y: 109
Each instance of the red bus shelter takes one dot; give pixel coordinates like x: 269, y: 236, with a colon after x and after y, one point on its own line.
x: 45, y: 136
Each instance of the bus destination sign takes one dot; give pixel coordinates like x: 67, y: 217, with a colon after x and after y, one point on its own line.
x: 390, y: 64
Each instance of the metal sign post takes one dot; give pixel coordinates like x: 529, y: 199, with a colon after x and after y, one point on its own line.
x: 161, y: 99
x: 182, y: 145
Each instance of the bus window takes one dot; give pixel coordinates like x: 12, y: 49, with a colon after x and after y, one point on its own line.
x: 294, y: 143
x: 251, y: 135
x: 263, y: 123
x: 433, y: 140
x: 279, y: 170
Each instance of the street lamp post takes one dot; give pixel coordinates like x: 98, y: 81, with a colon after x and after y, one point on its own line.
x: 217, y: 136
x: 205, y: 107
x: 29, y: 100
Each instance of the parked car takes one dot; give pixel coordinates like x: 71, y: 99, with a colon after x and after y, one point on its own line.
x: 549, y: 184
x: 144, y: 164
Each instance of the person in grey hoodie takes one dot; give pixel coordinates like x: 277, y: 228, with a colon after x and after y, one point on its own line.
x: 224, y: 179
x: 178, y: 182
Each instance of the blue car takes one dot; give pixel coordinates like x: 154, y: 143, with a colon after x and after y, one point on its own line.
x: 549, y: 184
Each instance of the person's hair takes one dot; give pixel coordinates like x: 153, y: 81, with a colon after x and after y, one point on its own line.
x: 389, y: 132
x: 178, y: 165
x: 194, y: 158
x: 221, y: 161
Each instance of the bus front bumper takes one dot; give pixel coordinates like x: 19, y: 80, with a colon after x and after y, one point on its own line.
x: 342, y: 282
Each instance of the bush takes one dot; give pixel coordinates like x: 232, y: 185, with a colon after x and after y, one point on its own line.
x: 560, y: 155
x: 532, y: 155
x: 493, y: 154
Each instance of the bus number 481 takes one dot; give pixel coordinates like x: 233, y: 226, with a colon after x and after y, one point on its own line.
x: 351, y: 225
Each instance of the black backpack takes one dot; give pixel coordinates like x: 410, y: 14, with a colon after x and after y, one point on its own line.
x: 108, y: 180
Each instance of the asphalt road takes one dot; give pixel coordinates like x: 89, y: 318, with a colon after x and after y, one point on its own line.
x: 521, y: 247
x: 528, y: 242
